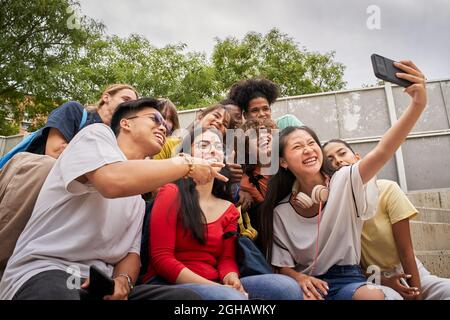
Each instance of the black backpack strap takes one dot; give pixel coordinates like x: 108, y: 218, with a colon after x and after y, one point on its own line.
x: 230, y: 234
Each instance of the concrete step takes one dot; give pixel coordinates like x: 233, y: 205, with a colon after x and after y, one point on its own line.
x: 438, y: 198
x: 437, y: 262
x: 433, y: 215
x: 429, y: 236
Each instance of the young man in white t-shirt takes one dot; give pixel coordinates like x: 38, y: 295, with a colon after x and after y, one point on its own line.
x: 90, y: 212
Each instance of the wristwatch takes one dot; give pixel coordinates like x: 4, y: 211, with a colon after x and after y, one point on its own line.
x: 130, y: 283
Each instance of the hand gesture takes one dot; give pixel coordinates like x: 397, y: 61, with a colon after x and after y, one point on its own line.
x: 205, y: 171
x: 232, y: 280
x: 121, y: 290
x: 417, y: 90
x: 245, y: 200
x: 313, y: 288
x: 395, y: 282
x: 235, y: 171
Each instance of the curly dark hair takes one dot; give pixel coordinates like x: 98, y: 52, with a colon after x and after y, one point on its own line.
x: 244, y: 91
x: 227, y: 102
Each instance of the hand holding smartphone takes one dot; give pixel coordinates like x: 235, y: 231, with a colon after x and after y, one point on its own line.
x: 384, y: 69
x: 100, y: 284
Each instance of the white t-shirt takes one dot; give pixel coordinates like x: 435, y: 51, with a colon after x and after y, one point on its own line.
x: 72, y: 224
x: 295, y: 237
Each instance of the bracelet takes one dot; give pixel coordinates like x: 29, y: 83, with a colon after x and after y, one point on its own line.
x: 190, y: 162
x: 130, y: 283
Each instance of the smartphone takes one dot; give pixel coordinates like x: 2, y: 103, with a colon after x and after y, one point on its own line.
x: 384, y: 69
x: 403, y: 282
x: 100, y: 284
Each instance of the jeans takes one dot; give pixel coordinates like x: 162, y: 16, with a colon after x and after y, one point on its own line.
x: 272, y: 287
x: 261, y: 287
x: 52, y: 285
x: 343, y: 281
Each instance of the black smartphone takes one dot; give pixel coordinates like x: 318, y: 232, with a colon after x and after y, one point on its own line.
x: 100, y: 284
x: 384, y: 69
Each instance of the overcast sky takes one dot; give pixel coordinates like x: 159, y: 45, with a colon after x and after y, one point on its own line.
x: 414, y: 29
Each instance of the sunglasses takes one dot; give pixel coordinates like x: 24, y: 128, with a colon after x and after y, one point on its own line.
x: 157, y: 118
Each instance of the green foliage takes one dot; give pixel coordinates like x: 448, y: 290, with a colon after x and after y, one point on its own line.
x: 186, y: 78
x: 7, y: 128
x: 277, y: 57
x: 43, y: 63
x: 35, y: 39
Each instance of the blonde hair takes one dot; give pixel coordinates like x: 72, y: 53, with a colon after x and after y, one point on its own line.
x: 111, y: 90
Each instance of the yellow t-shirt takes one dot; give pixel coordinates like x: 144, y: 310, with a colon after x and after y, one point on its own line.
x: 377, y: 240
x: 168, y: 149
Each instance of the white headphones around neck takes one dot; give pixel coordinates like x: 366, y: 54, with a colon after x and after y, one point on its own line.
x: 318, y: 194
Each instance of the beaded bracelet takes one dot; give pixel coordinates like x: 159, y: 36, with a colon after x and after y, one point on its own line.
x: 190, y: 162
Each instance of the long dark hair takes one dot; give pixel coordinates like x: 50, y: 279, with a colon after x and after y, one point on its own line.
x: 169, y: 112
x: 191, y: 214
x: 279, y: 187
x: 345, y: 143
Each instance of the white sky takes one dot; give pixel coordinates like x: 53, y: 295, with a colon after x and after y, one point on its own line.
x: 415, y: 29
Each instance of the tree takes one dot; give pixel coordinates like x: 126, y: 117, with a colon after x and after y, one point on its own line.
x: 36, y: 36
x: 7, y: 128
x: 46, y: 60
x: 184, y: 77
x: 277, y: 57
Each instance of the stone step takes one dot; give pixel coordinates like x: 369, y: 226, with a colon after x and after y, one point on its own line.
x: 429, y: 236
x: 437, y: 262
x: 433, y: 215
x: 438, y: 198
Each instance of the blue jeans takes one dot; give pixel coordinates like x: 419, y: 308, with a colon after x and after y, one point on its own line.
x: 343, y: 281
x: 263, y: 287
x: 272, y: 287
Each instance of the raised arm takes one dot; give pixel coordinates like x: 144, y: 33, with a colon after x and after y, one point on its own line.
x: 128, y: 178
x: 394, y: 137
x: 56, y: 143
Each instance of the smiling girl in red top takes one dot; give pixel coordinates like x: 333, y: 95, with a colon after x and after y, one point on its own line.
x: 186, y: 236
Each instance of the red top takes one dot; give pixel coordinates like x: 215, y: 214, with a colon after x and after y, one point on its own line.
x: 172, y: 249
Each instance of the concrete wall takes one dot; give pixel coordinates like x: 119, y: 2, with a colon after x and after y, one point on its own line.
x: 7, y: 143
x: 362, y: 116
